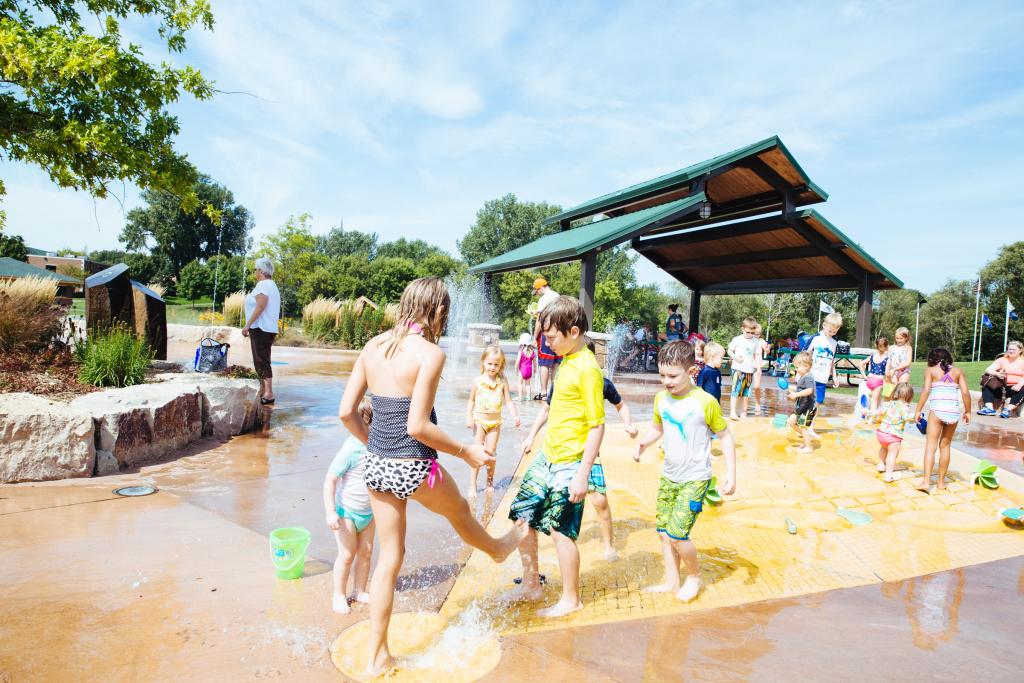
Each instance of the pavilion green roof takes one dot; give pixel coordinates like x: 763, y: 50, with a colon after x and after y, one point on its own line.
x: 13, y: 268
x: 571, y: 244
x: 675, y: 179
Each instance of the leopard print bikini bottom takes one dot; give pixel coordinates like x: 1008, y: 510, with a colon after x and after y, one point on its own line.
x: 400, y: 477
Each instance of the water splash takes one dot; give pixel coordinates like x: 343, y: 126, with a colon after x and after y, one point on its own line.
x: 469, y: 304
x: 471, y: 631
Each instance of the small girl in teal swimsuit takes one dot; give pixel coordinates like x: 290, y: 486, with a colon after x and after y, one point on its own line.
x: 350, y: 517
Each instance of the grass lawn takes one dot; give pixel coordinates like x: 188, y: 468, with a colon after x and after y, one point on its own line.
x: 972, y: 370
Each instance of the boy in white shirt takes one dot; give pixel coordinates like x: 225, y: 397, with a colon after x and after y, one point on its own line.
x: 823, y: 359
x: 742, y: 352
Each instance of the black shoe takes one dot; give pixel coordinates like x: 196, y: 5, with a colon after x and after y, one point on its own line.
x: 538, y: 397
x: 267, y: 401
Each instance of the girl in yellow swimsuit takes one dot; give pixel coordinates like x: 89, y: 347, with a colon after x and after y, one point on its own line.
x: 483, y: 412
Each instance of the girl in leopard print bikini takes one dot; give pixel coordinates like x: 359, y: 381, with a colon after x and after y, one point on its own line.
x: 402, y: 368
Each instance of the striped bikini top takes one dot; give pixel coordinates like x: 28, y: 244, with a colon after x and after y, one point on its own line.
x: 389, y: 432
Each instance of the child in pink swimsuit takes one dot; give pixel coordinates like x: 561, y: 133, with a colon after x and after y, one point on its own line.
x: 525, y: 362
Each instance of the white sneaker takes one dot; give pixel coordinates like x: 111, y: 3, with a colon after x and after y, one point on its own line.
x: 362, y: 597
x: 690, y: 589
x: 340, y: 604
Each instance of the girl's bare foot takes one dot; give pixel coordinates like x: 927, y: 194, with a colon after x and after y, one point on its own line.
x: 662, y: 588
x: 804, y: 450
x: 881, y: 467
x: 524, y: 593
x: 560, y: 609
x: 734, y: 418
x: 940, y: 485
x: 924, y: 486
x: 510, y: 541
x: 340, y: 604
x: 690, y: 589
x: 890, y: 477
x: 610, y: 555
x: 380, y: 664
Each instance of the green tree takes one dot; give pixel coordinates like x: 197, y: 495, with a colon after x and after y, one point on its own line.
x: 1003, y: 278
x: 179, y: 236
x: 78, y: 100
x: 340, y: 242
x: 417, y: 250
x: 504, y: 224
x: 292, y: 248
x: 194, y: 281
x: 388, y: 278
x: 13, y: 246
x: 227, y: 275
x: 947, y: 318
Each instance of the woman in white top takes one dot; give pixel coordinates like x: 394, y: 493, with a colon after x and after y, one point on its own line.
x: 262, y: 310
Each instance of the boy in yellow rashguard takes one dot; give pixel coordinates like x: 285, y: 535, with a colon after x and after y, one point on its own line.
x: 554, y: 487
x: 685, y: 416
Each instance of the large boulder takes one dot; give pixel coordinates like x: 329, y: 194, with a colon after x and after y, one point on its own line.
x: 143, y: 422
x: 42, y: 440
x: 230, y: 406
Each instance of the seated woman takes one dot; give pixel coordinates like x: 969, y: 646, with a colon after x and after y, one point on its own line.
x: 1010, y: 369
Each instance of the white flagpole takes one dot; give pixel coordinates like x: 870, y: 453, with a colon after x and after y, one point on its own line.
x: 977, y: 307
x: 1006, y: 326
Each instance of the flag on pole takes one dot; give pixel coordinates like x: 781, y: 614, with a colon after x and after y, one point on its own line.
x: 977, y: 285
x: 1011, y: 312
x: 985, y: 321
x: 824, y: 307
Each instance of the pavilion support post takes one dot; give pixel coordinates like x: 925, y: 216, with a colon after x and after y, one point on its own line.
x: 865, y: 294
x: 486, y: 310
x: 588, y: 282
x: 694, y: 311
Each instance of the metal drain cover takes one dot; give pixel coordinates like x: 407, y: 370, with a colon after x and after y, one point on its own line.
x: 135, y: 490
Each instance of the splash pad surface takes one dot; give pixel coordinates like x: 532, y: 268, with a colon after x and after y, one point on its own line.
x: 746, y: 553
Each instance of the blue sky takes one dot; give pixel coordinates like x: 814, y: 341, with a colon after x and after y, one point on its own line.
x: 404, y: 118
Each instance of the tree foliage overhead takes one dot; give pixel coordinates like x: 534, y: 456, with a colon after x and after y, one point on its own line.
x: 177, y: 236
x: 13, y: 246
x: 86, y: 107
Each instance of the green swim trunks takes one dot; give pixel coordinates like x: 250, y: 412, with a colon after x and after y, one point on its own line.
x: 678, y: 506
x: 596, y: 481
x: 543, y: 498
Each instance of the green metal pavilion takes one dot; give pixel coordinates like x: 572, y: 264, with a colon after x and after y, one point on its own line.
x: 734, y: 224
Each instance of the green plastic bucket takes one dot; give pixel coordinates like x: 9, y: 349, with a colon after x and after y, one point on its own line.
x: 288, y: 551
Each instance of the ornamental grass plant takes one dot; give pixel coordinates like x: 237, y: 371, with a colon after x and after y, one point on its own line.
x: 29, y: 316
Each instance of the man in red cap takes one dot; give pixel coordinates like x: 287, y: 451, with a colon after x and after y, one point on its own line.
x: 546, y: 358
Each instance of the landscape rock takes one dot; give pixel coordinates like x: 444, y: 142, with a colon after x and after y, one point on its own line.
x: 106, y: 463
x: 230, y: 406
x: 42, y: 440
x: 145, y: 421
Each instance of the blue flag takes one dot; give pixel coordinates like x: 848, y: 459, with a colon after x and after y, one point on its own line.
x: 1011, y: 312
x: 985, y: 321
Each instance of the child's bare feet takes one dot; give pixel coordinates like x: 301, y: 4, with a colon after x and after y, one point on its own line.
x: 560, y: 609
x: 380, y: 664
x: 734, y: 417
x: 924, y: 486
x: 880, y: 467
x: 940, y: 485
x: 890, y: 477
x: 510, y: 541
x: 804, y: 450
x: 662, y: 588
x: 340, y: 604
x: 814, y: 435
x: 524, y: 593
x: 690, y: 589
x: 610, y: 555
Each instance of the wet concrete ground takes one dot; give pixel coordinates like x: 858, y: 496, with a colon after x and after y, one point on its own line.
x: 179, y: 584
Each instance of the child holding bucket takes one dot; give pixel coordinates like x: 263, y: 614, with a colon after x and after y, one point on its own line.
x: 402, y: 368
x: 873, y: 372
x: 350, y: 517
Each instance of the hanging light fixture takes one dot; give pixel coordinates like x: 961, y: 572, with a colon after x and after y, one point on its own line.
x: 705, y: 210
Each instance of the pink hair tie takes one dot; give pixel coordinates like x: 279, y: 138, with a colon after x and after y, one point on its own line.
x: 415, y: 327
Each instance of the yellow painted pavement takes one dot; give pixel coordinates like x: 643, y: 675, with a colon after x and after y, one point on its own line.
x: 746, y: 554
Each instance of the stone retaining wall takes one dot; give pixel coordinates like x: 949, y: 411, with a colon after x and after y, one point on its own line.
x: 104, y: 432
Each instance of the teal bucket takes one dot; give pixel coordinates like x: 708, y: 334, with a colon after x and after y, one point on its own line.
x: 288, y: 551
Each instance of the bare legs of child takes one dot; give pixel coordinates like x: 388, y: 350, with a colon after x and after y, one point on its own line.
x: 489, y: 440
x: 568, y: 565
x: 604, y: 521
x: 887, y: 455
x: 938, y: 437
x: 389, y: 514
x: 672, y: 550
x: 805, y: 433
x: 354, y: 550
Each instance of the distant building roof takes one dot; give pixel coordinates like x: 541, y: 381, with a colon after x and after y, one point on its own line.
x: 13, y: 268
x: 32, y: 251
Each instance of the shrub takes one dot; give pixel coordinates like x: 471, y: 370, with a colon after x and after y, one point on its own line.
x: 234, y: 309
x: 354, y: 330
x: 319, y: 318
x: 114, y: 357
x: 29, y: 316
